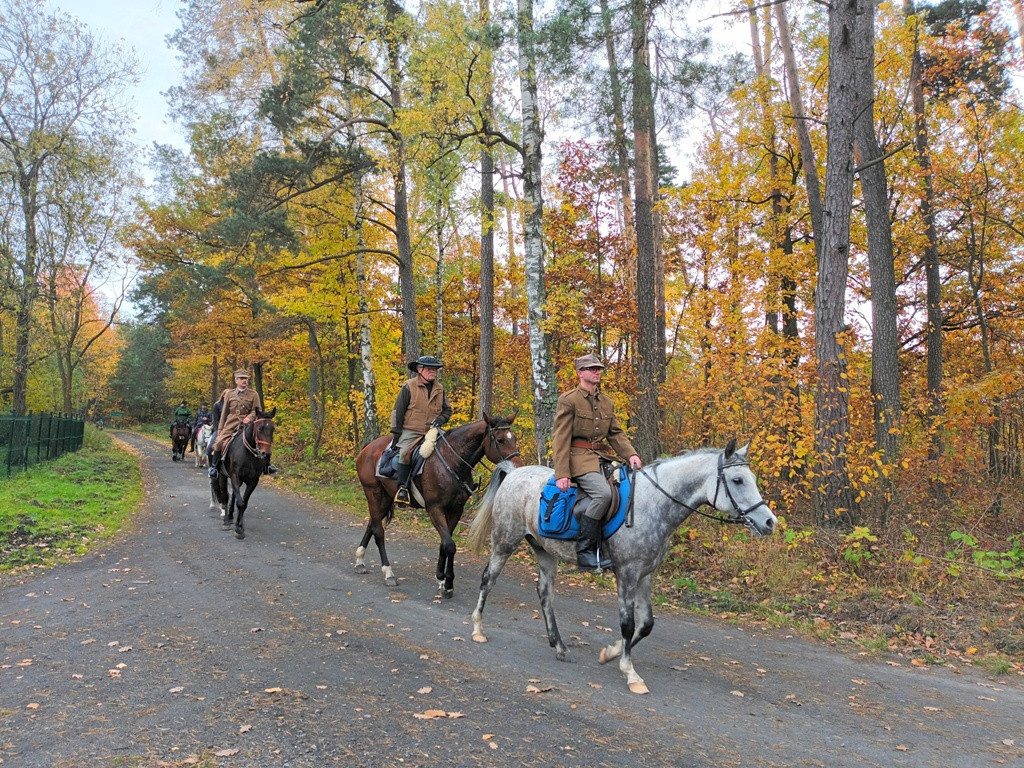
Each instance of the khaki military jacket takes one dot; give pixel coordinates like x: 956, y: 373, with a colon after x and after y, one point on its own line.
x: 582, y: 416
x: 235, y: 406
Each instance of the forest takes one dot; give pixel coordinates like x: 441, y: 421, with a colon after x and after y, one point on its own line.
x: 833, y: 277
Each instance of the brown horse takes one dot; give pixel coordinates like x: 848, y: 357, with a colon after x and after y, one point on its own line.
x: 180, y: 433
x: 443, y: 488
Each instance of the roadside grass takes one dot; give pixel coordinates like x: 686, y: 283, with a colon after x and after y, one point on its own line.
x: 55, y: 511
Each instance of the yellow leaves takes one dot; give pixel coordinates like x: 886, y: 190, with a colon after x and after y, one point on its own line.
x: 437, y: 714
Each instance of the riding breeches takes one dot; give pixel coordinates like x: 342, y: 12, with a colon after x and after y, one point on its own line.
x: 595, y: 485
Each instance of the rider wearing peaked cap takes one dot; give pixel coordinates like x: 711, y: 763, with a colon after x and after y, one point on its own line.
x: 238, y: 407
x: 584, y: 430
x: 420, y: 405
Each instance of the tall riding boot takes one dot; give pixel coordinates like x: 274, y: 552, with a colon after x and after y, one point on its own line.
x: 402, y: 476
x: 587, y: 543
x: 214, y: 463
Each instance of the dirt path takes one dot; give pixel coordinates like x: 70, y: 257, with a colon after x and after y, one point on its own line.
x: 180, y: 645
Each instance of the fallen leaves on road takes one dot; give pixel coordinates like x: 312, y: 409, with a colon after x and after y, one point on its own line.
x: 435, y: 714
x: 179, y: 689
x: 535, y: 689
x: 425, y: 689
x: 226, y: 752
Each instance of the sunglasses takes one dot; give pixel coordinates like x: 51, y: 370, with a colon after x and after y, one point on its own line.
x: 593, y: 368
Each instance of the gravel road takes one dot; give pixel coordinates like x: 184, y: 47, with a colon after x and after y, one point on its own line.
x: 176, y: 644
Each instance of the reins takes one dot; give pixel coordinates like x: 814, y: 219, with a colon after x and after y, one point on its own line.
x: 741, y: 515
x: 258, y: 450
x: 466, y: 486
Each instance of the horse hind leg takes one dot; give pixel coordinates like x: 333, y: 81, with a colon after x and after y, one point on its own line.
x: 361, y: 549
x: 546, y: 592
x: 499, y: 556
x: 446, y: 568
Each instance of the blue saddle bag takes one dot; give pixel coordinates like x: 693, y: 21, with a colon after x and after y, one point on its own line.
x: 555, y: 519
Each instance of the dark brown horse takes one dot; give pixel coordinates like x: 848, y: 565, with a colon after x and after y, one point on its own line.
x: 442, y: 489
x: 180, y: 433
x: 242, y: 464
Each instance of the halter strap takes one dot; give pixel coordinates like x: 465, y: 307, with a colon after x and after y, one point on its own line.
x: 444, y: 439
x: 255, y: 451
x: 741, y: 514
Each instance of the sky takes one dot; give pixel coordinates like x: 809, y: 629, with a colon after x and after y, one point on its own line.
x: 143, y: 26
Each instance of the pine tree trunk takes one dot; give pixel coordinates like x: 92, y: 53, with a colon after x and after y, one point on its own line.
x: 646, y: 438
x: 833, y: 494
x: 885, y: 383
x: 933, y: 276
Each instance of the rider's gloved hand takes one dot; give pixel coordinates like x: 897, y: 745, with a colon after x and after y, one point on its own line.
x: 437, y: 423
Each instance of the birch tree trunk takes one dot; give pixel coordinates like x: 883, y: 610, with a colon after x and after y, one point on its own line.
x: 545, y: 394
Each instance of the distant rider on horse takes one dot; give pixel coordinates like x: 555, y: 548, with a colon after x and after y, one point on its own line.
x: 421, y: 404
x: 183, y: 415
x: 202, y: 417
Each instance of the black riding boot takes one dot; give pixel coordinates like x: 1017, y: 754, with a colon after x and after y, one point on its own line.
x: 214, y: 461
x: 402, y: 476
x: 587, y: 543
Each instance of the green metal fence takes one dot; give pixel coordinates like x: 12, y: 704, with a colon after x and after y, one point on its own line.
x: 36, y: 437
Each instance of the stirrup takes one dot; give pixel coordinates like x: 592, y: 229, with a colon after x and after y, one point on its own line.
x: 213, y: 473
x: 402, y: 495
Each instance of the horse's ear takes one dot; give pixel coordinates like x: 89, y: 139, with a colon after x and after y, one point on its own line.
x: 512, y: 418
x: 270, y: 414
x: 730, y: 448
x: 742, y: 452
x: 487, y: 417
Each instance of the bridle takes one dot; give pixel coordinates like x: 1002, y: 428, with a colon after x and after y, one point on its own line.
x: 262, y: 447
x: 742, y: 516
x: 497, y: 449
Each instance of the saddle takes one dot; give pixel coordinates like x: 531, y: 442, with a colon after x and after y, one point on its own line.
x: 559, y: 513
x: 387, y: 465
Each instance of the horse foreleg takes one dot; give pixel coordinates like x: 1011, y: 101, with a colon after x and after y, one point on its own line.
x: 499, y: 556
x: 546, y: 592
x: 242, y: 505
x: 634, y: 603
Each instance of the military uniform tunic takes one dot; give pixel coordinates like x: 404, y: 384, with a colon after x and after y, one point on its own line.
x: 236, y: 404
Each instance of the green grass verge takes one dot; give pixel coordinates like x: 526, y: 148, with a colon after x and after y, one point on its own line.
x: 56, y: 510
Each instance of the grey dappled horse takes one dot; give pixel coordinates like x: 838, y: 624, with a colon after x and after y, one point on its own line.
x: 203, y: 435
x: 665, y: 493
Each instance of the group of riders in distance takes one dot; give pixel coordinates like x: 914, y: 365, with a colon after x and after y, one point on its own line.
x: 611, y: 512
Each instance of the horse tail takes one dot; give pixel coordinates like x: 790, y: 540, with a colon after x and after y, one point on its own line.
x: 479, y: 535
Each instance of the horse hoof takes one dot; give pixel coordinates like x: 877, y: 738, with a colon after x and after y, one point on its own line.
x: 639, y: 687
x: 479, y: 637
x: 564, y: 656
x: 447, y: 594
x: 239, y: 534
x: 390, y: 581
x: 604, y: 658
x: 361, y: 568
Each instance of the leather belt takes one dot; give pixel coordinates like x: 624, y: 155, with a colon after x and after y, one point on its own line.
x: 576, y: 443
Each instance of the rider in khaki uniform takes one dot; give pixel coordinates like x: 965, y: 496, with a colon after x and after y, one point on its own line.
x: 238, y: 407
x: 585, y: 426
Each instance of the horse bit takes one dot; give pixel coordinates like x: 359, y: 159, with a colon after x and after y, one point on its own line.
x: 258, y: 451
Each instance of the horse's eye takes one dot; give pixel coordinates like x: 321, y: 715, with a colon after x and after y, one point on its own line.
x: 738, y: 480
